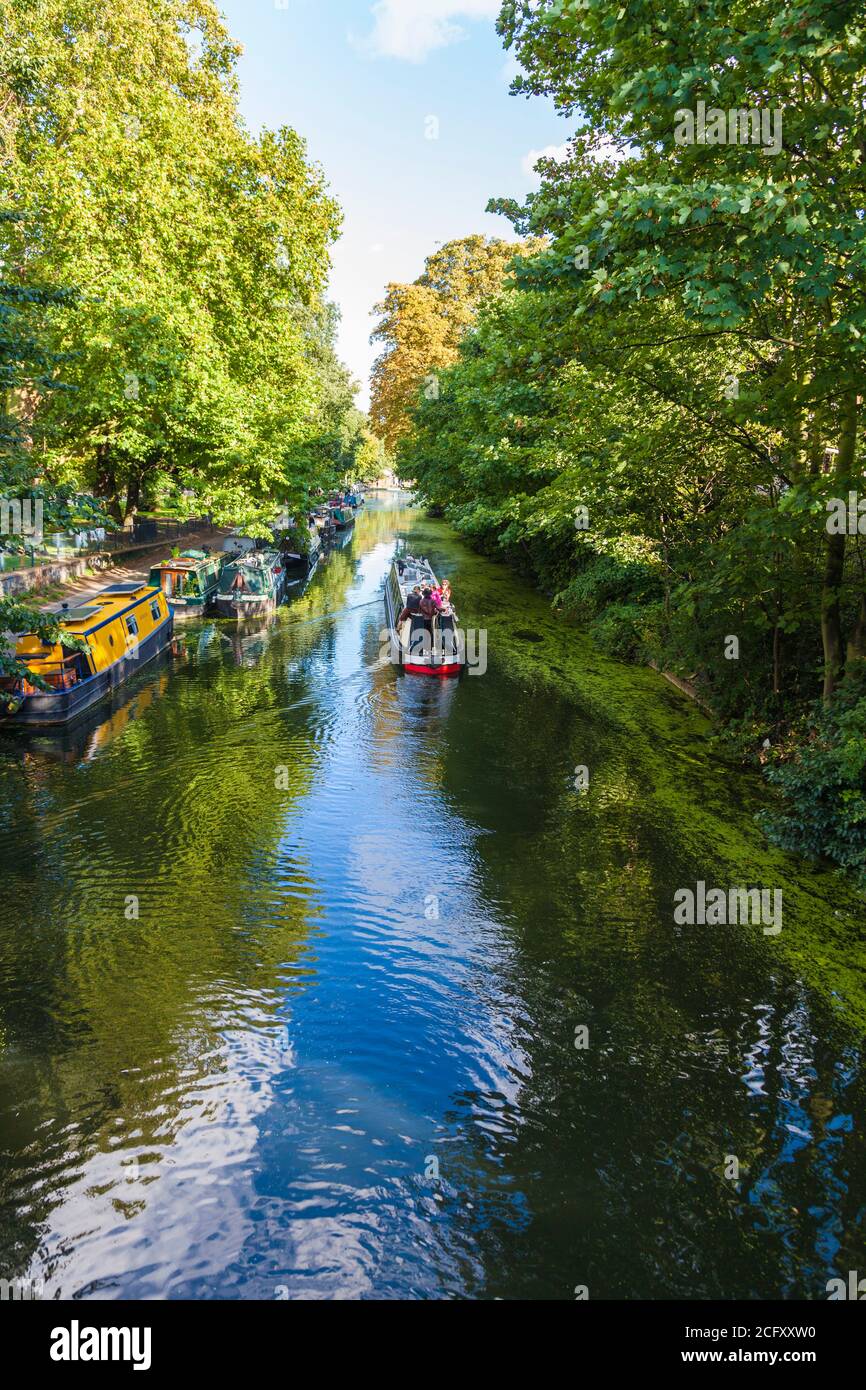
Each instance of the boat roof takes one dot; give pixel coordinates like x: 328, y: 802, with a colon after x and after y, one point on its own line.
x: 255, y: 559
x: 107, y: 604
x: 187, y: 561
x: 415, y: 571
x: 101, y: 608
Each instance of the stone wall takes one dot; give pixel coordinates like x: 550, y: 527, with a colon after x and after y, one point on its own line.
x: 16, y: 582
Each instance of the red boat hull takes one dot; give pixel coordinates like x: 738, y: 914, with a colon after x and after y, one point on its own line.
x: 452, y: 669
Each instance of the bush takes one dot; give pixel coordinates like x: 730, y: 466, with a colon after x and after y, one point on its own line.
x: 605, y: 580
x: 627, y: 631
x: 825, y: 786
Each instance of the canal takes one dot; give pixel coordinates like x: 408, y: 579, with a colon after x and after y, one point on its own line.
x: 321, y: 981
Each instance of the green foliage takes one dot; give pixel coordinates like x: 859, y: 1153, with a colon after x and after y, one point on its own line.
x: 421, y: 325
x: 824, y: 785
x: 607, y: 579
x: 197, y: 350
x: 19, y: 617
x: 25, y: 365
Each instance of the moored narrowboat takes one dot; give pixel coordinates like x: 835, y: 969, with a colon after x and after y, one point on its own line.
x: 120, y: 629
x: 342, y: 516
x: 422, y: 646
x: 251, y: 585
x: 189, y: 581
x: 300, y: 546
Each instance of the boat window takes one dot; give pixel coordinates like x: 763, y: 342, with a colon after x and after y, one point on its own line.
x: 132, y: 625
x: 154, y: 611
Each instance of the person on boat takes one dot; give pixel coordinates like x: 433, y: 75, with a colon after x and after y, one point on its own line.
x: 428, y: 606
x: 413, y: 606
x: 422, y: 644
x: 442, y: 598
x: 419, y: 630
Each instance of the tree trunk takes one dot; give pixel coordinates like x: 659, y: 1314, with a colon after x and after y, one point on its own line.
x: 106, y: 481
x: 857, y: 640
x: 133, y: 493
x: 834, y: 563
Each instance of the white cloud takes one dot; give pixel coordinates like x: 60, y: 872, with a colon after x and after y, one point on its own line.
x: 557, y: 152
x: 410, y: 29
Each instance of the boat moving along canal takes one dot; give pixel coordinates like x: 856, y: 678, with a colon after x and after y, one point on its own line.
x: 251, y: 585
x: 424, y: 645
x: 120, y: 629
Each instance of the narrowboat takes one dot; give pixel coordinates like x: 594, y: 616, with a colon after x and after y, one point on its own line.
x: 422, y: 647
x: 324, y: 524
x: 189, y: 581
x: 251, y: 585
x: 355, y: 499
x: 121, y: 629
x: 342, y: 516
x: 301, y: 548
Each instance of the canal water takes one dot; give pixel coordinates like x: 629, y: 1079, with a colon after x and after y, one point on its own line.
x: 321, y: 981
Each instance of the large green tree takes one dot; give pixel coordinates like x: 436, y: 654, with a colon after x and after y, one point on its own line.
x: 759, y: 245
x: 421, y: 325
x: 199, y: 253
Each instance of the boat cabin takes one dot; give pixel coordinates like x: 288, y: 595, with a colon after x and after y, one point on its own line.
x: 118, y: 631
x: 188, y: 580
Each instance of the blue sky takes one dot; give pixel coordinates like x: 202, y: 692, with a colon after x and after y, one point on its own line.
x: 360, y: 81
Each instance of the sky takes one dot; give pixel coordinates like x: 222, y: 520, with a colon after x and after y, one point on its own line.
x: 405, y: 104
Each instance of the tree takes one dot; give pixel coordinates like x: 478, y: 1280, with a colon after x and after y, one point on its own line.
x: 759, y: 244
x: 24, y: 369
x: 422, y: 325
x: 199, y: 254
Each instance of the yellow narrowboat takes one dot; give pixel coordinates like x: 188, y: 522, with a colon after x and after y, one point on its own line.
x: 122, y: 628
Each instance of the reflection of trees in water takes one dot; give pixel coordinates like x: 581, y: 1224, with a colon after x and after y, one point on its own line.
x: 181, y: 812
x: 606, y: 1167
x: 108, y: 1018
